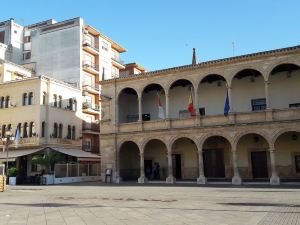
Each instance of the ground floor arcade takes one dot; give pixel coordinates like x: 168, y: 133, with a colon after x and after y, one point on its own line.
x: 238, y: 156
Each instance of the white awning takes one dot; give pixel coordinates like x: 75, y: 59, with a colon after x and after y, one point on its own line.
x: 13, y: 154
x: 80, y: 154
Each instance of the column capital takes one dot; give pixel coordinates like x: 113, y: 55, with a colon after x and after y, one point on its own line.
x: 267, y: 82
x: 227, y: 86
x: 272, y: 149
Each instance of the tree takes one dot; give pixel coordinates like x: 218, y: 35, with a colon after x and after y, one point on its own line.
x: 46, y: 160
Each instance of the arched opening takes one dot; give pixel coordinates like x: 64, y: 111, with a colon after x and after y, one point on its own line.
x: 151, y: 96
x: 155, y: 160
x: 129, y: 156
x: 284, y: 86
x: 30, y: 98
x: 216, y: 158
x: 179, y: 93
x: 128, y: 106
x: 253, y: 157
x: 25, y: 130
x: 31, y: 129
x: 24, y: 102
x: 185, y: 159
x: 212, y: 90
x: 43, y: 133
x: 288, y: 155
x: 60, y: 131
x: 73, y: 132
x: 248, y: 91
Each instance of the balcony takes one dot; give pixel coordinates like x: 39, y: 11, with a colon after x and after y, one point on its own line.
x: 91, y: 88
x: 91, y: 128
x: 90, y: 108
x: 91, y: 148
x: 118, y: 63
x: 90, y: 67
x: 29, y: 141
x: 245, y: 118
x: 90, y: 47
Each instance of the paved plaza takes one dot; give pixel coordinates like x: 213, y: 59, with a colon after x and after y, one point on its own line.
x: 96, y: 203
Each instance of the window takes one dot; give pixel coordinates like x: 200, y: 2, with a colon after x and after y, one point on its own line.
x: 24, y: 102
x: 15, y: 31
x: 26, y: 55
x: 9, y: 127
x: 43, y: 129
x: 2, y: 102
x: 104, y: 45
x: 60, y: 131
x: 25, y: 129
x: 31, y: 129
x: 19, y: 129
x: 258, y: 104
x: 60, y: 101
x: 55, y: 100
x: 30, y: 99
x: 2, y: 34
x: 87, y: 145
x: 55, y: 130
x: 6, y: 101
x: 73, y: 133
x: 69, y: 132
x: 26, y: 39
x: 294, y: 105
x: 297, y: 163
x: 44, y: 98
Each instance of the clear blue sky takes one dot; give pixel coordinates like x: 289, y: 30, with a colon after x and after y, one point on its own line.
x: 161, y: 33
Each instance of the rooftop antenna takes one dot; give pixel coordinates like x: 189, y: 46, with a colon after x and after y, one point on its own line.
x: 233, y: 48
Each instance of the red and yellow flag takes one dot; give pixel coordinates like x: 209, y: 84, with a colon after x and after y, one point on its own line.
x: 191, y: 107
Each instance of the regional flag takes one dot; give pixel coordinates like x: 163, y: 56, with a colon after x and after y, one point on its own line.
x: 191, y: 107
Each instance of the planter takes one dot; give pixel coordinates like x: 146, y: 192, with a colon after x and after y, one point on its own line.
x: 48, y: 179
x: 12, y: 181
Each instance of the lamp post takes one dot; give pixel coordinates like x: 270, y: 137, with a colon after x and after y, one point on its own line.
x: 7, y: 140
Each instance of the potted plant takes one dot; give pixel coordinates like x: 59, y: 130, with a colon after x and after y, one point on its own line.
x: 12, y: 174
x: 46, y: 161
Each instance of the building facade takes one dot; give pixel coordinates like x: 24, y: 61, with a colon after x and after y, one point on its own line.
x: 259, y: 139
x: 70, y: 51
x: 46, y: 112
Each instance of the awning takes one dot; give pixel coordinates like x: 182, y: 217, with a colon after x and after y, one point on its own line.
x: 80, y: 154
x: 13, y: 154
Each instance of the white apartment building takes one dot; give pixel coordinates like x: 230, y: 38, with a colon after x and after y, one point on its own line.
x: 70, y: 51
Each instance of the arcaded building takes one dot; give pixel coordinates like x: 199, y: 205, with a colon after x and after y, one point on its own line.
x: 258, y: 140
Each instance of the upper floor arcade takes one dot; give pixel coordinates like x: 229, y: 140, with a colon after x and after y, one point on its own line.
x: 258, y: 87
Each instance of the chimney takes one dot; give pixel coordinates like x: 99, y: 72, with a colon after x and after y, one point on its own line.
x: 194, y: 60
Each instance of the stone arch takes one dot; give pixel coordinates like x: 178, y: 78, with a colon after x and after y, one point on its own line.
x: 237, y: 71
x: 207, y: 136
x: 128, y: 101
x: 278, y: 63
x: 119, y: 146
x: 175, y: 138
x: 124, y: 88
x: 277, y: 134
x: 148, y: 139
x: 238, y: 136
x: 171, y: 82
x: 151, y: 83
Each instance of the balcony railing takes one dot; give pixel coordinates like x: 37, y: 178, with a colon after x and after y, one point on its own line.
x: 118, y: 60
x: 207, y: 121
x: 91, y: 126
x: 91, y: 148
x: 91, y: 106
x: 89, y: 64
x: 91, y: 86
x: 91, y: 44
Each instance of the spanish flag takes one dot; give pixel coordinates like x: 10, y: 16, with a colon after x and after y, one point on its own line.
x: 191, y: 107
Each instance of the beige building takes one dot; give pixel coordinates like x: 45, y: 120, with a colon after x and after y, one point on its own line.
x: 46, y: 112
x: 258, y: 141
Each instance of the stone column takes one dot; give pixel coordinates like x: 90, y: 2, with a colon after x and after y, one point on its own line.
x: 201, y: 179
x: 170, y: 179
x: 196, y: 101
x: 230, y: 98
x: 274, y: 180
x: 140, y: 109
x: 267, y: 94
x: 142, y: 178
x: 118, y: 178
x: 236, y: 179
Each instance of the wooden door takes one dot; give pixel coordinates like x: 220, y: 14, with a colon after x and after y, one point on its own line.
x: 214, y: 165
x: 259, y: 164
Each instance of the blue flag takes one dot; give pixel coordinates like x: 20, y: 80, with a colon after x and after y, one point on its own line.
x: 226, y: 106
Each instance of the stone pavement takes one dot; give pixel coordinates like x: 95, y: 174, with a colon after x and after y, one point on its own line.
x: 96, y: 203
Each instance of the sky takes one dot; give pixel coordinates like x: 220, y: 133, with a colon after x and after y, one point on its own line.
x: 161, y: 34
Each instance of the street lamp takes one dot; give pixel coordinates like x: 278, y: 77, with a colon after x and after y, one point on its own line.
x: 7, y: 139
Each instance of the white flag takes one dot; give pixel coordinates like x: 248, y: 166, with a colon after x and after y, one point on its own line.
x: 161, y: 112
x: 17, y: 137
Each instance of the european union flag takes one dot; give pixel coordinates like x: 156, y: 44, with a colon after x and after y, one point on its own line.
x: 227, y: 106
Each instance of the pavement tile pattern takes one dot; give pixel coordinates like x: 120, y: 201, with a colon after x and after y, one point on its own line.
x: 130, y: 204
